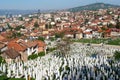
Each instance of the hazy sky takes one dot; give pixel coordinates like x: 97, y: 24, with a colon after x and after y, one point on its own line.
x: 49, y: 4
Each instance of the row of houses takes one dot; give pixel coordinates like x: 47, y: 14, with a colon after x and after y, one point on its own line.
x: 88, y: 32
x: 19, y: 49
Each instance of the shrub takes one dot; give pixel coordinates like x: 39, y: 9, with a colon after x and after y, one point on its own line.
x: 117, y: 55
x: 2, y: 60
x: 34, y: 56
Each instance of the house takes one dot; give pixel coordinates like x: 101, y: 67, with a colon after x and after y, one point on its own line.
x: 2, y: 38
x: 96, y: 34
x: 1, y: 29
x: 3, y: 47
x: 115, y: 32
x: 41, y: 46
x: 88, y: 33
x: 45, y: 32
x: 79, y: 35
x: 11, y: 55
x: 107, y: 32
x: 42, y: 25
x: 24, y: 47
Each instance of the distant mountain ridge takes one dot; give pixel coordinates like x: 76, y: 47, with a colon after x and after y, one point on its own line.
x: 94, y: 6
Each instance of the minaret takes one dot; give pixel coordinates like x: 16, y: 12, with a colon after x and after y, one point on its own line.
x: 38, y: 15
x: 39, y: 12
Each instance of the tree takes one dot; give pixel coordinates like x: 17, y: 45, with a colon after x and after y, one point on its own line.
x: 117, y: 55
x: 9, y: 26
x: 64, y: 47
x: 2, y: 60
x: 41, y: 38
x: 16, y: 34
x: 110, y: 25
x: 118, y: 24
x: 46, y: 26
x: 36, y: 24
x: 103, y: 31
x: 21, y: 18
x: 59, y: 35
x: 19, y: 27
x: 86, y: 21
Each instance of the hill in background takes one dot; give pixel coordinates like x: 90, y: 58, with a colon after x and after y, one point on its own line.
x: 94, y: 6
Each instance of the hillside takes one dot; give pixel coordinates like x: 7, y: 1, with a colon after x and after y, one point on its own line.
x: 94, y: 6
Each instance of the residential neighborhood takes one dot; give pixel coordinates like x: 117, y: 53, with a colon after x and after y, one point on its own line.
x: 21, y: 33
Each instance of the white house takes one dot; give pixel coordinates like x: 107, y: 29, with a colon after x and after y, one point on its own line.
x: 88, y: 33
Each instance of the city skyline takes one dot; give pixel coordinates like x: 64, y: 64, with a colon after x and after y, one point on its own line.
x: 49, y: 4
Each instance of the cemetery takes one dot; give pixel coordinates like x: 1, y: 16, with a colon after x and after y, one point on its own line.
x: 94, y: 62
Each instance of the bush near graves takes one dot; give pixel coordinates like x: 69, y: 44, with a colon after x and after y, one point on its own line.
x: 34, y: 56
x: 67, y: 68
x: 117, y: 55
x: 2, y: 60
x: 3, y: 77
x: 50, y: 49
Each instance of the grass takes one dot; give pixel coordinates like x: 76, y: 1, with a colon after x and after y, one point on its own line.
x: 16, y: 79
x: 98, y: 41
x: 114, y: 42
x: 2, y: 60
x: 34, y: 56
x: 4, y: 77
x: 51, y: 49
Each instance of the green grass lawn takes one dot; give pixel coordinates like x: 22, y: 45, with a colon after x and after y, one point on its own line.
x: 34, y: 56
x: 4, y: 77
x: 98, y: 41
x: 114, y: 42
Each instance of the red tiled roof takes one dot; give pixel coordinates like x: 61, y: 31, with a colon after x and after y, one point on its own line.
x: 40, y: 43
x: 21, y: 45
x: 87, y: 32
x: 12, y: 53
x: 1, y: 38
x: 108, y: 31
x: 16, y: 46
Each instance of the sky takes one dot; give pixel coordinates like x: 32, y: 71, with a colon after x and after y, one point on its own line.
x: 49, y: 4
